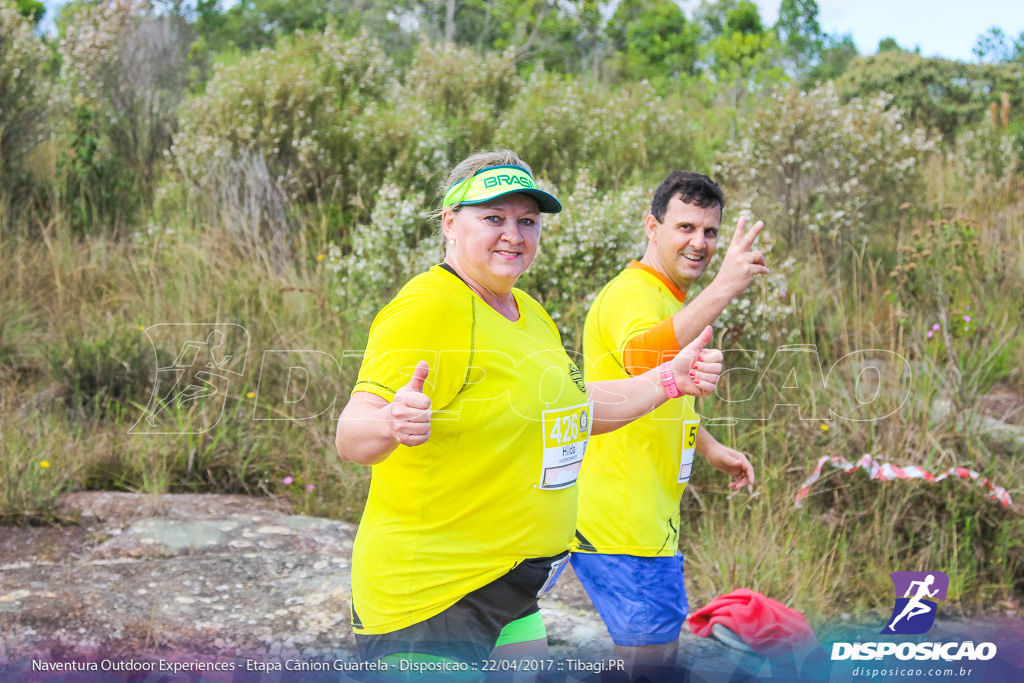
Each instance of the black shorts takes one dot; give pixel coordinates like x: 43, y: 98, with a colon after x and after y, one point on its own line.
x: 468, y: 630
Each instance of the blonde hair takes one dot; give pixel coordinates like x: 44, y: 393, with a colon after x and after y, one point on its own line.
x: 474, y: 162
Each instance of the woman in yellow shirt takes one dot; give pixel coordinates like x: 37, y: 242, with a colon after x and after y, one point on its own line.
x: 475, y: 421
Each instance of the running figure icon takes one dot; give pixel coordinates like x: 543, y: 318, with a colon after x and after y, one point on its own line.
x: 914, y: 606
x: 916, y: 603
x: 189, y: 394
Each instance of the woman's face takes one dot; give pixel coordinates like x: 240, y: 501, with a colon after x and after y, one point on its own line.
x: 494, y: 242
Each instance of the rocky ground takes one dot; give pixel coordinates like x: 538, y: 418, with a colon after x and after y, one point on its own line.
x: 192, y: 581
x: 213, y: 577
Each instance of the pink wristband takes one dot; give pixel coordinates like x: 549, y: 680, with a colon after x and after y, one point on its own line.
x: 668, y: 380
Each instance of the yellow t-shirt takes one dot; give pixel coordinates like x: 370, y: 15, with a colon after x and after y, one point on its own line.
x: 450, y: 516
x: 633, y: 478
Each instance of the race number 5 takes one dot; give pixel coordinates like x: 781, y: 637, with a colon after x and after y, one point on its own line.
x: 689, y: 449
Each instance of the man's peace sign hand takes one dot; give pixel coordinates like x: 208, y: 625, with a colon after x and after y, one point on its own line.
x: 742, y: 262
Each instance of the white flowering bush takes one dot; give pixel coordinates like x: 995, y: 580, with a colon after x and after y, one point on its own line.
x: 134, y: 63
x: 124, y: 69
x: 91, y: 43
x: 761, y: 317
x: 811, y: 165
x: 385, y: 253
x: 562, y: 125
x: 582, y: 248
x: 987, y: 155
x: 24, y: 91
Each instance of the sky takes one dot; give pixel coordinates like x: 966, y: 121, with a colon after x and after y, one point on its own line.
x: 940, y: 28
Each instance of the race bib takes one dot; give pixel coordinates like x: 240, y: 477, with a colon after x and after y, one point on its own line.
x: 689, y: 448
x: 566, y: 432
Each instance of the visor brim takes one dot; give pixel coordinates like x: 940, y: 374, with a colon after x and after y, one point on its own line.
x: 545, y: 202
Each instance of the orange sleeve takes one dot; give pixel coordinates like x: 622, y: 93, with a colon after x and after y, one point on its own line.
x: 650, y: 349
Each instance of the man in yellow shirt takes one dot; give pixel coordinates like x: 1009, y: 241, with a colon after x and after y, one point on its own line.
x: 626, y: 547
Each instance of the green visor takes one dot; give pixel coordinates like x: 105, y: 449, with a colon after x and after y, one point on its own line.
x: 497, y: 181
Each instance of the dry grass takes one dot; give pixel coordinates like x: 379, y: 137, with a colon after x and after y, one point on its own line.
x: 80, y: 345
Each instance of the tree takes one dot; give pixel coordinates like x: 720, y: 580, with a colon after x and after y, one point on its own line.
x: 744, y: 18
x: 995, y: 47
x: 504, y: 24
x: 711, y: 15
x: 653, y: 39
x: 743, y: 55
x: 485, y: 24
x: 799, y: 33
x: 939, y: 93
x: 33, y: 10
x: 889, y: 45
x: 582, y: 25
x: 992, y: 46
x: 838, y: 53
x: 252, y: 24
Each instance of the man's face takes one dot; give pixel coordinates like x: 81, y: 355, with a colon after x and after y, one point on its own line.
x: 683, y: 243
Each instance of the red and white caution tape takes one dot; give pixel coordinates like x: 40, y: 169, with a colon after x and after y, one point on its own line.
x: 888, y: 472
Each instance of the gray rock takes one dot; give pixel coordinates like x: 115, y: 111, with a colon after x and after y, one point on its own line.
x: 212, y: 576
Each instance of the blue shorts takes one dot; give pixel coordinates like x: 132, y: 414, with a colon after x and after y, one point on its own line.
x: 642, y: 600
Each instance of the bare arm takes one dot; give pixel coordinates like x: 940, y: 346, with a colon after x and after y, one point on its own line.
x: 741, y: 263
x: 370, y: 428
x: 725, y: 459
x: 620, y: 401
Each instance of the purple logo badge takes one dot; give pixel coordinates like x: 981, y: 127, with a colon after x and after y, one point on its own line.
x: 916, y: 595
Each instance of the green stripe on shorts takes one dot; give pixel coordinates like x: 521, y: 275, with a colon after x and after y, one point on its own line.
x: 523, y: 630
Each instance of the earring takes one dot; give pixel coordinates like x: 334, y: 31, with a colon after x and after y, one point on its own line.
x: 451, y: 242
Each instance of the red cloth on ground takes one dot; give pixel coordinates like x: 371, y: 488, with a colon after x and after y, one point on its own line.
x: 764, y: 624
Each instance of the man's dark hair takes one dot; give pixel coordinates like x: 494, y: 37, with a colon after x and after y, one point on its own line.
x: 691, y: 187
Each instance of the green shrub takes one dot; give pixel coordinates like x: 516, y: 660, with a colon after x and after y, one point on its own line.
x: 124, y: 71
x: 323, y: 115
x: 96, y: 188
x: 582, y: 248
x: 110, y: 365
x: 468, y: 90
x: 562, y: 125
x: 24, y: 93
x: 812, y: 166
x: 938, y: 94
